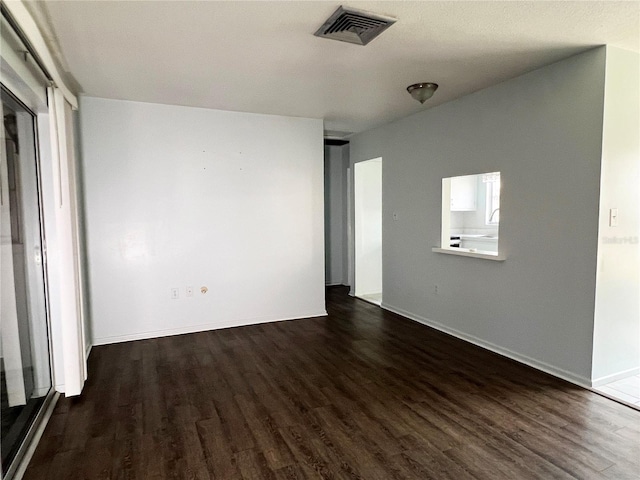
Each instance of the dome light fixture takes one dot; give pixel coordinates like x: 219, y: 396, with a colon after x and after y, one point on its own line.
x: 422, y: 91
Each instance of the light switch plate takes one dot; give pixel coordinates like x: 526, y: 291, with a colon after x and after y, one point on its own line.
x: 613, y: 217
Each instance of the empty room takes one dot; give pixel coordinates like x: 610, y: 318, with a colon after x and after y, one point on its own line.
x: 314, y: 240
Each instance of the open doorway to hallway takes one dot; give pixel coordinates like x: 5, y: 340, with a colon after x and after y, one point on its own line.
x: 336, y: 214
x: 368, y: 230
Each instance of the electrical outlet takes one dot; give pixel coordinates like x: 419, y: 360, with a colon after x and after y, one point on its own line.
x: 175, y: 293
x: 435, y: 289
x: 189, y: 291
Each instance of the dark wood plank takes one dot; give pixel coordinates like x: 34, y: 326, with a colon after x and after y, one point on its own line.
x: 360, y: 394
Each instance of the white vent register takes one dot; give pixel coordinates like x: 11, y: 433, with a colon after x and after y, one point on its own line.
x: 354, y: 26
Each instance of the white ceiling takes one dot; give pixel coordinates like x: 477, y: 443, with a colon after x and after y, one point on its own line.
x: 262, y: 56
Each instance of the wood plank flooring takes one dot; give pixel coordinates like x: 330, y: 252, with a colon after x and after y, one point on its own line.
x: 360, y: 394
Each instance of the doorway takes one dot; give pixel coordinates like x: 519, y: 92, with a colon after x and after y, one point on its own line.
x: 368, y: 230
x: 25, y: 373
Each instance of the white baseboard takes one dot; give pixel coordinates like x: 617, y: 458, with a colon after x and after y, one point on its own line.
x: 88, y: 352
x: 197, y: 328
x: 537, y: 364
x: 615, y: 377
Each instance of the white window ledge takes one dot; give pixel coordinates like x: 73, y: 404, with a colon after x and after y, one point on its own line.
x: 466, y: 252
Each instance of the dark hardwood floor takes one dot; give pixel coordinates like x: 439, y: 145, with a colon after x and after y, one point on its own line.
x: 362, y: 393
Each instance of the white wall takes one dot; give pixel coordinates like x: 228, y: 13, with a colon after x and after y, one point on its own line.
x: 178, y: 197
x: 543, y: 132
x: 617, y: 315
x: 368, y: 226
x: 335, y: 174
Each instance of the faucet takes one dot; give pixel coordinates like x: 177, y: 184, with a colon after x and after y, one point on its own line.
x: 492, y: 214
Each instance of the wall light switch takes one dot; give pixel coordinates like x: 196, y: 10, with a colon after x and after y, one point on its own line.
x: 395, y: 216
x: 189, y: 291
x: 613, y: 217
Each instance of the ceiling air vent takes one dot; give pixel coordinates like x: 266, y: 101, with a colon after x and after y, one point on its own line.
x: 354, y: 26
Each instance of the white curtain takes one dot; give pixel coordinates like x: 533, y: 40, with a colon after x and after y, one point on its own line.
x: 68, y: 251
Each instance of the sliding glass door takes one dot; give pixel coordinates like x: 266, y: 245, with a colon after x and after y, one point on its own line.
x: 24, y: 334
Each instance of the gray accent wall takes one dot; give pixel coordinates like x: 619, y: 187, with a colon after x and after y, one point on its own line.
x: 543, y: 132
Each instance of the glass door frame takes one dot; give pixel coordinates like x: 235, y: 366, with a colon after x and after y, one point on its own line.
x: 33, y: 430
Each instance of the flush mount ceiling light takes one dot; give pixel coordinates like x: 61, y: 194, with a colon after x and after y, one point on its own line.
x: 422, y: 91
